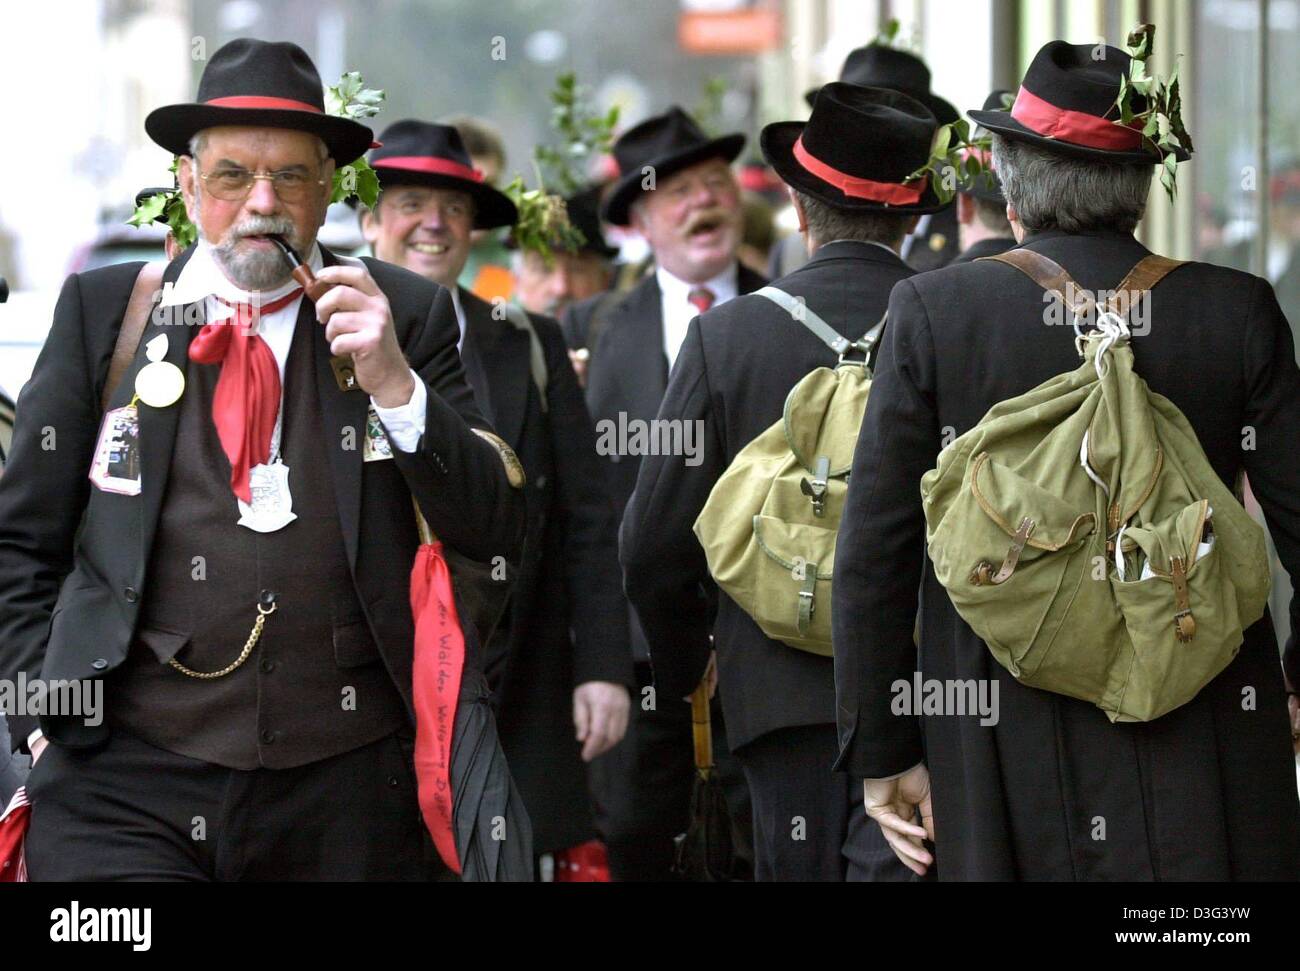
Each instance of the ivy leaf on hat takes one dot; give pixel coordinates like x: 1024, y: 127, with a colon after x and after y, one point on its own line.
x: 1161, y: 117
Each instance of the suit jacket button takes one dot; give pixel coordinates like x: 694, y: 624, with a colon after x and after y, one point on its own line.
x: 99, y: 664
x: 268, y: 736
x: 131, y: 595
x: 268, y: 665
x: 266, y: 598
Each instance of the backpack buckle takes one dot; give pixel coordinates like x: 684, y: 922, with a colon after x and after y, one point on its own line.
x: 816, y: 488
x: 1184, y: 622
x: 983, y: 575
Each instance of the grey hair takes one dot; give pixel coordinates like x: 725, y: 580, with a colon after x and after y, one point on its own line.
x: 827, y: 223
x: 199, y: 141
x: 1049, y: 190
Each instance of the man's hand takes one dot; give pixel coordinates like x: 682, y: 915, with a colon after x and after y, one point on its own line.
x: 600, y: 710
x: 894, y: 804
x: 1293, y: 706
x: 38, y: 747
x: 359, y: 321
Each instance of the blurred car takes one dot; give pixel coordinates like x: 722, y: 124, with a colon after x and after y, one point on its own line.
x: 119, y: 243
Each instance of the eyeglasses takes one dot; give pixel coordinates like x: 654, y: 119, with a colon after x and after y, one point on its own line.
x: 234, y: 184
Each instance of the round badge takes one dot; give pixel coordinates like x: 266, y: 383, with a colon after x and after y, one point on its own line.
x: 159, y: 384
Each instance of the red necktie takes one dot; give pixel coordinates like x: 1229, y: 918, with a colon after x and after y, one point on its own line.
x: 247, y: 396
x: 701, y: 298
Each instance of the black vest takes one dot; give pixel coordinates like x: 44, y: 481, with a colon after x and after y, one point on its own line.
x: 315, y: 684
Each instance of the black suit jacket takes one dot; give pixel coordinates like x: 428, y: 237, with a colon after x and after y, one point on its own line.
x: 628, y: 372
x: 566, y: 623
x: 985, y: 247
x: 1012, y: 799
x: 73, y: 559
x: 734, y: 372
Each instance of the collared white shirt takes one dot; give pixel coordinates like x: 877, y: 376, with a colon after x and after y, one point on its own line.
x: 678, y: 311
x: 201, y: 279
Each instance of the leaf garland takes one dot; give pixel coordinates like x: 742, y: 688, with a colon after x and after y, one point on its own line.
x: 347, y: 99
x: 957, y: 160
x: 584, y: 133
x: 1161, y: 118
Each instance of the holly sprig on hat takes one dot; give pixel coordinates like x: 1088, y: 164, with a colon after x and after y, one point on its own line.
x: 957, y: 159
x: 543, y: 224
x: 347, y: 99
x: 584, y: 134
x: 350, y: 99
x: 1161, y: 120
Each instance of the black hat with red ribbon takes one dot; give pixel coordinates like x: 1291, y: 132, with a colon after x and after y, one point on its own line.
x: 1067, y: 103
x: 422, y: 153
x: 858, y: 150
x: 663, y: 144
x: 263, y: 84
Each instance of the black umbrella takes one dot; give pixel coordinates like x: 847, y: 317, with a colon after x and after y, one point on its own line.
x: 708, y: 852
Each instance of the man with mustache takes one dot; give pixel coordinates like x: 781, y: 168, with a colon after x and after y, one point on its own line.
x: 560, y: 664
x: 676, y: 189
x: 273, y: 509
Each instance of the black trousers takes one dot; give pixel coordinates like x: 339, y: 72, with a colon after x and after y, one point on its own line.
x: 642, y: 787
x: 809, y: 822
x: 130, y: 811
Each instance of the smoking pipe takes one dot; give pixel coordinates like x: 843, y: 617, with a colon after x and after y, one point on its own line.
x: 314, y: 288
x: 342, y: 364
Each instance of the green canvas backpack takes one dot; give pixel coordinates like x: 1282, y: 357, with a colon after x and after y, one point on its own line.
x: 1080, y: 530
x: 768, y: 528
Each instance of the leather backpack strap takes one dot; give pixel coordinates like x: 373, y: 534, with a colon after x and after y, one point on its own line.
x: 1149, y: 271
x: 134, y: 320
x: 1048, y: 274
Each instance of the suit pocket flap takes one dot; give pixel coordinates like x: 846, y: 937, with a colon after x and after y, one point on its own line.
x: 354, y: 645
x: 164, y: 644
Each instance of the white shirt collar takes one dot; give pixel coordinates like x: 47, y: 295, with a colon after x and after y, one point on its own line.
x: 460, y: 316
x: 724, y: 286
x: 865, y: 242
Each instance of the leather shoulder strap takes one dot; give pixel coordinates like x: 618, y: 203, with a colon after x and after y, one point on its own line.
x: 133, y: 323
x: 1150, y: 271
x: 1046, y: 272
x: 1050, y: 275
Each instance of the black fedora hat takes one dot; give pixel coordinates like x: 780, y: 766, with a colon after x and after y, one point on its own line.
x: 857, y: 149
x: 261, y: 83
x: 584, y: 215
x: 987, y: 185
x: 427, y: 154
x: 1067, y: 104
x: 666, y: 143
x: 881, y: 66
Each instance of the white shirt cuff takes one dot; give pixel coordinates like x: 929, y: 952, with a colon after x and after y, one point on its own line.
x: 405, y: 424
x: 33, y: 738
